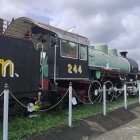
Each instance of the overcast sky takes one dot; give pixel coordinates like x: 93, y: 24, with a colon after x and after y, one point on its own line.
x: 115, y: 22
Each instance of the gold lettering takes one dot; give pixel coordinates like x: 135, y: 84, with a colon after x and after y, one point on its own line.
x: 4, y: 65
x: 69, y: 68
x: 80, y: 69
x: 75, y: 68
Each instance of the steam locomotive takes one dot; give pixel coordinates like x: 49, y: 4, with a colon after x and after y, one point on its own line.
x: 38, y: 57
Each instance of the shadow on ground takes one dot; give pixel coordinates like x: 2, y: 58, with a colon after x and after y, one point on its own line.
x: 90, y: 127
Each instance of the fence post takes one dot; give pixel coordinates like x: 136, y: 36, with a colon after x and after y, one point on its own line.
x: 139, y: 91
x: 5, y: 112
x: 70, y: 105
x: 104, y: 99
x: 125, y: 96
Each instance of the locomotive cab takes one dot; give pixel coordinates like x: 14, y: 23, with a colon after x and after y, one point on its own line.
x: 64, y: 55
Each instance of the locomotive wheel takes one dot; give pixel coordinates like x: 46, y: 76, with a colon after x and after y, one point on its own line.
x: 132, y: 89
x: 118, y: 92
x: 109, y: 91
x: 95, y: 92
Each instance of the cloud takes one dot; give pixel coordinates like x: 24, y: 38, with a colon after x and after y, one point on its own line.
x: 90, y: 7
x: 115, y: 22
x: 10, y: 9
x: 128, y: 40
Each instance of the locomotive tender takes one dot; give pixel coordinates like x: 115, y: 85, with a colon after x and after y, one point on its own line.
x: 36, y: 56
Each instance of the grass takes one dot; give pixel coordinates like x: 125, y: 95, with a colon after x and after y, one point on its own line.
x: 22, y: 127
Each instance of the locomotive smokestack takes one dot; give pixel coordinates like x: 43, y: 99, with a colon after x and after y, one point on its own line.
x: 123, y: 54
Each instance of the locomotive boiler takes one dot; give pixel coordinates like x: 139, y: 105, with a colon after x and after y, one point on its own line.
x: 101, y: 57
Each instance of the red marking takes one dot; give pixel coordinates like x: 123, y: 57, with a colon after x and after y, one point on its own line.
x: 82, y: 95
x: 72, y: 55
x: 34, y: 98
x: 45, y: 84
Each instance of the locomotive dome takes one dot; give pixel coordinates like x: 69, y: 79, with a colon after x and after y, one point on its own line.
x: 102, y: 47
x: 113, y: 51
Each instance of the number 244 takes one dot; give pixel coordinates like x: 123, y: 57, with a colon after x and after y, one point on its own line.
x: 74, y: 68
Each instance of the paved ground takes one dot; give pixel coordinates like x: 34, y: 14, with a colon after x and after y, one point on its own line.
x: 129, y: 131
x: 120, y: 124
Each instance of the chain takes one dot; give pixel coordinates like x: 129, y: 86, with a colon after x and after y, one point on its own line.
x: 1, y: 94
x: 18, y: 100
x: 55, y: 104
x: 79, y: 98
x: 39, y: 110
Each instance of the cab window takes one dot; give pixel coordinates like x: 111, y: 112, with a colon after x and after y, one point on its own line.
x: 69, y: 49
x: 83, y: 52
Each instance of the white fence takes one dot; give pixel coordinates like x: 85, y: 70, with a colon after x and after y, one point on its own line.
x: 72, y: 101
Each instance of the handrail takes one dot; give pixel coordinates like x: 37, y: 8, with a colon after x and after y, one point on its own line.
x: 41, y: 62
